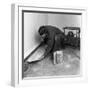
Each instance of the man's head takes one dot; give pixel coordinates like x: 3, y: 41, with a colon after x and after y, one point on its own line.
x: 43, y: 32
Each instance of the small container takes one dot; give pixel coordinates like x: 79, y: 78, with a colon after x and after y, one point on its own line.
x: 58, y: 57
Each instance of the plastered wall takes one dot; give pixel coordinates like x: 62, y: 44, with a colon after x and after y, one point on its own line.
x: 32, y: 22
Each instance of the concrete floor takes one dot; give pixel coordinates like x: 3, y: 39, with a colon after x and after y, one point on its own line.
x: 70, y: 65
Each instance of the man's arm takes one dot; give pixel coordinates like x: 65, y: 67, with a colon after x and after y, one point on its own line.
x: 49, y: 48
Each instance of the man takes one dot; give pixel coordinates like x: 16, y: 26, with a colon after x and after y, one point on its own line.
x: 52, y: 37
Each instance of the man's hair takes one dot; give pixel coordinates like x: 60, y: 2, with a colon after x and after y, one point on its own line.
x: 42, y: 30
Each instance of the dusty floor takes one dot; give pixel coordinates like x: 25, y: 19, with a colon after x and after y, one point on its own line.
x: 70, y: 65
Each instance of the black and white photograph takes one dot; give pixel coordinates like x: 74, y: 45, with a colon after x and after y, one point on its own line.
x: 51, y: 43
x: 47, y: 44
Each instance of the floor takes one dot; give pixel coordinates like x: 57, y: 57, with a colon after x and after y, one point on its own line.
x: 70, y: 65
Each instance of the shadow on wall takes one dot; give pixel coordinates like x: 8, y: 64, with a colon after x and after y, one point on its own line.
x: 37, y: 38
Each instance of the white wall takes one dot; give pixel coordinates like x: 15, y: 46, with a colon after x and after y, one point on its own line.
x: 32, y: 22
x: 62, y: 20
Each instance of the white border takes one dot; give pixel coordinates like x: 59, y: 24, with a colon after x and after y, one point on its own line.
x: 17, y: 47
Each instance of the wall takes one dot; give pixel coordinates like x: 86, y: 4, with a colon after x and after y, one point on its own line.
x: 32, y: 22
x: 62, y: 20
